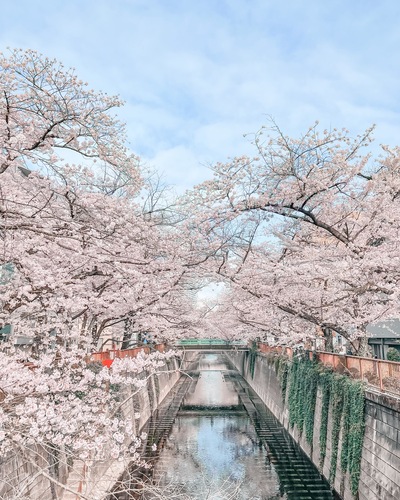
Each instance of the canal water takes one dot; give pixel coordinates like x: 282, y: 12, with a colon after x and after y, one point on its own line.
x: 225, y: 445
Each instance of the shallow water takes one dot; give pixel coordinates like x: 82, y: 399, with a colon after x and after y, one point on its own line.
x: 213, y: 450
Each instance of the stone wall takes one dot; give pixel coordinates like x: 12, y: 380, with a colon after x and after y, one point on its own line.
x: 27, y: 474
x: 380, y: 464
x: 380, y: 467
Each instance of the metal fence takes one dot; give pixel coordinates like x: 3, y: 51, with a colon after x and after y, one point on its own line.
x: 266, y: 349
x: 379, y: 373
x: 106, y: 357
x: 209, y: 342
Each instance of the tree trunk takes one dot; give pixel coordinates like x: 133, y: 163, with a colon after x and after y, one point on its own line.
x: 128, y: 330
x: 364, y: 349
x: 328, y: 339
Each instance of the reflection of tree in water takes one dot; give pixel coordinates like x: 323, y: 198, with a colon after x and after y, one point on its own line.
x: 217, y: 458
x: 247, y: 440
x: 248, y: 447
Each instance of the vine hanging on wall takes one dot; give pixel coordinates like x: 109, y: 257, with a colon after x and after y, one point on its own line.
x: 341, y: 397
x: 252, y: 353
x: 325, y: 387
x: 303, y: 384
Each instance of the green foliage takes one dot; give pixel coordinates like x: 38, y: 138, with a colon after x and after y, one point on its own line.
x: 311, y: 389
x: 344, y: 455
x: 325, y: 381
x: 283, y: 373
x: 393, y: 354
x: 303, y: 385
x: 252, y: 363
x: 337, y: 398
x: 252, y: 353
x: 277, y: 363
x: 294, y: 395
x: 301, y: 379
x: 356, y: 433
x: 348, y: 404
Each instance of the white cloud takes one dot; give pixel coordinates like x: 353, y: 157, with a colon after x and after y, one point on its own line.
x: 197, y: 75
x: 180, y: 166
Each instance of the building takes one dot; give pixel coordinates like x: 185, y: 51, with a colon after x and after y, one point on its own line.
x: 384, y: 335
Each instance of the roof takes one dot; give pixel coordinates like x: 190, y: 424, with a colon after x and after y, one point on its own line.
x: 389, y: 329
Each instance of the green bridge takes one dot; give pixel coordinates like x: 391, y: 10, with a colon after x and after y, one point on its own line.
x: 211, y: 344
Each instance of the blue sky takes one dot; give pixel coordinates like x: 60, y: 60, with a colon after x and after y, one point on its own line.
x: 197, y: 75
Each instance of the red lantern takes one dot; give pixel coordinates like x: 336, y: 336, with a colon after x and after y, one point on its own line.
x: 107, y: 362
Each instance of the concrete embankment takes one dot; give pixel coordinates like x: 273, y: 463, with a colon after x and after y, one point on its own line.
x: 380, y: 461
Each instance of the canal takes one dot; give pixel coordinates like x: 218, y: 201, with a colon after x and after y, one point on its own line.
x: 225, y: 444
x: 216, y: 440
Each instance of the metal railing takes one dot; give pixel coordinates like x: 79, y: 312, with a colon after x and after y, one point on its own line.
x: 209, y: 342
x: 266, y: 349
x: 106, y: 356
x: 381, y: 374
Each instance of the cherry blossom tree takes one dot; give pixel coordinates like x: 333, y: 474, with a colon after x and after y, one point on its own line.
x: 312, y: 225
x: 79, y: 254
x: 51, y: 122
x: 65, y: 409
x: 85, y: 253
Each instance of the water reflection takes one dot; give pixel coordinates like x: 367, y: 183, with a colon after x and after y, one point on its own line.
x: 217, y: 457
x: 212, y: 390
x: 211, y: 361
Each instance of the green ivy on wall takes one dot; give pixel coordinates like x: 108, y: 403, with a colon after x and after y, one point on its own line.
x: 252, y: 353
x: 300, y: 380
x: 311, y: 388
x: 325, y: 381
x: 283, y: 372
x: 337, y: 398
x: 355, y: 416
x: 303, y: 385
x: 295, y: 398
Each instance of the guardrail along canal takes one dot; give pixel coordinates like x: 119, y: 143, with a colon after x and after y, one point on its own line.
x: 225, y: 444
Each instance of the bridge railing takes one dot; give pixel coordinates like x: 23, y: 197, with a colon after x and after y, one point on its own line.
x: 208, y: 342
x: 381, y: 374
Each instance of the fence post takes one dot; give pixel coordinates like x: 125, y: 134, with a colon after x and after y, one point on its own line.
x: 380, y: 375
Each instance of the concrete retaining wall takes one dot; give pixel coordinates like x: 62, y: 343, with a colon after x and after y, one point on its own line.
x: 380, y: 465
x: 19, y: 477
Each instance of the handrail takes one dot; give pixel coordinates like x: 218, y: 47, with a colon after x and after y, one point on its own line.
x: 381, y: 374
x: 106, y: 356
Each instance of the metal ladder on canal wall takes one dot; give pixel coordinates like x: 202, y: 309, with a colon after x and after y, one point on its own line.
x: 291, y: 464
